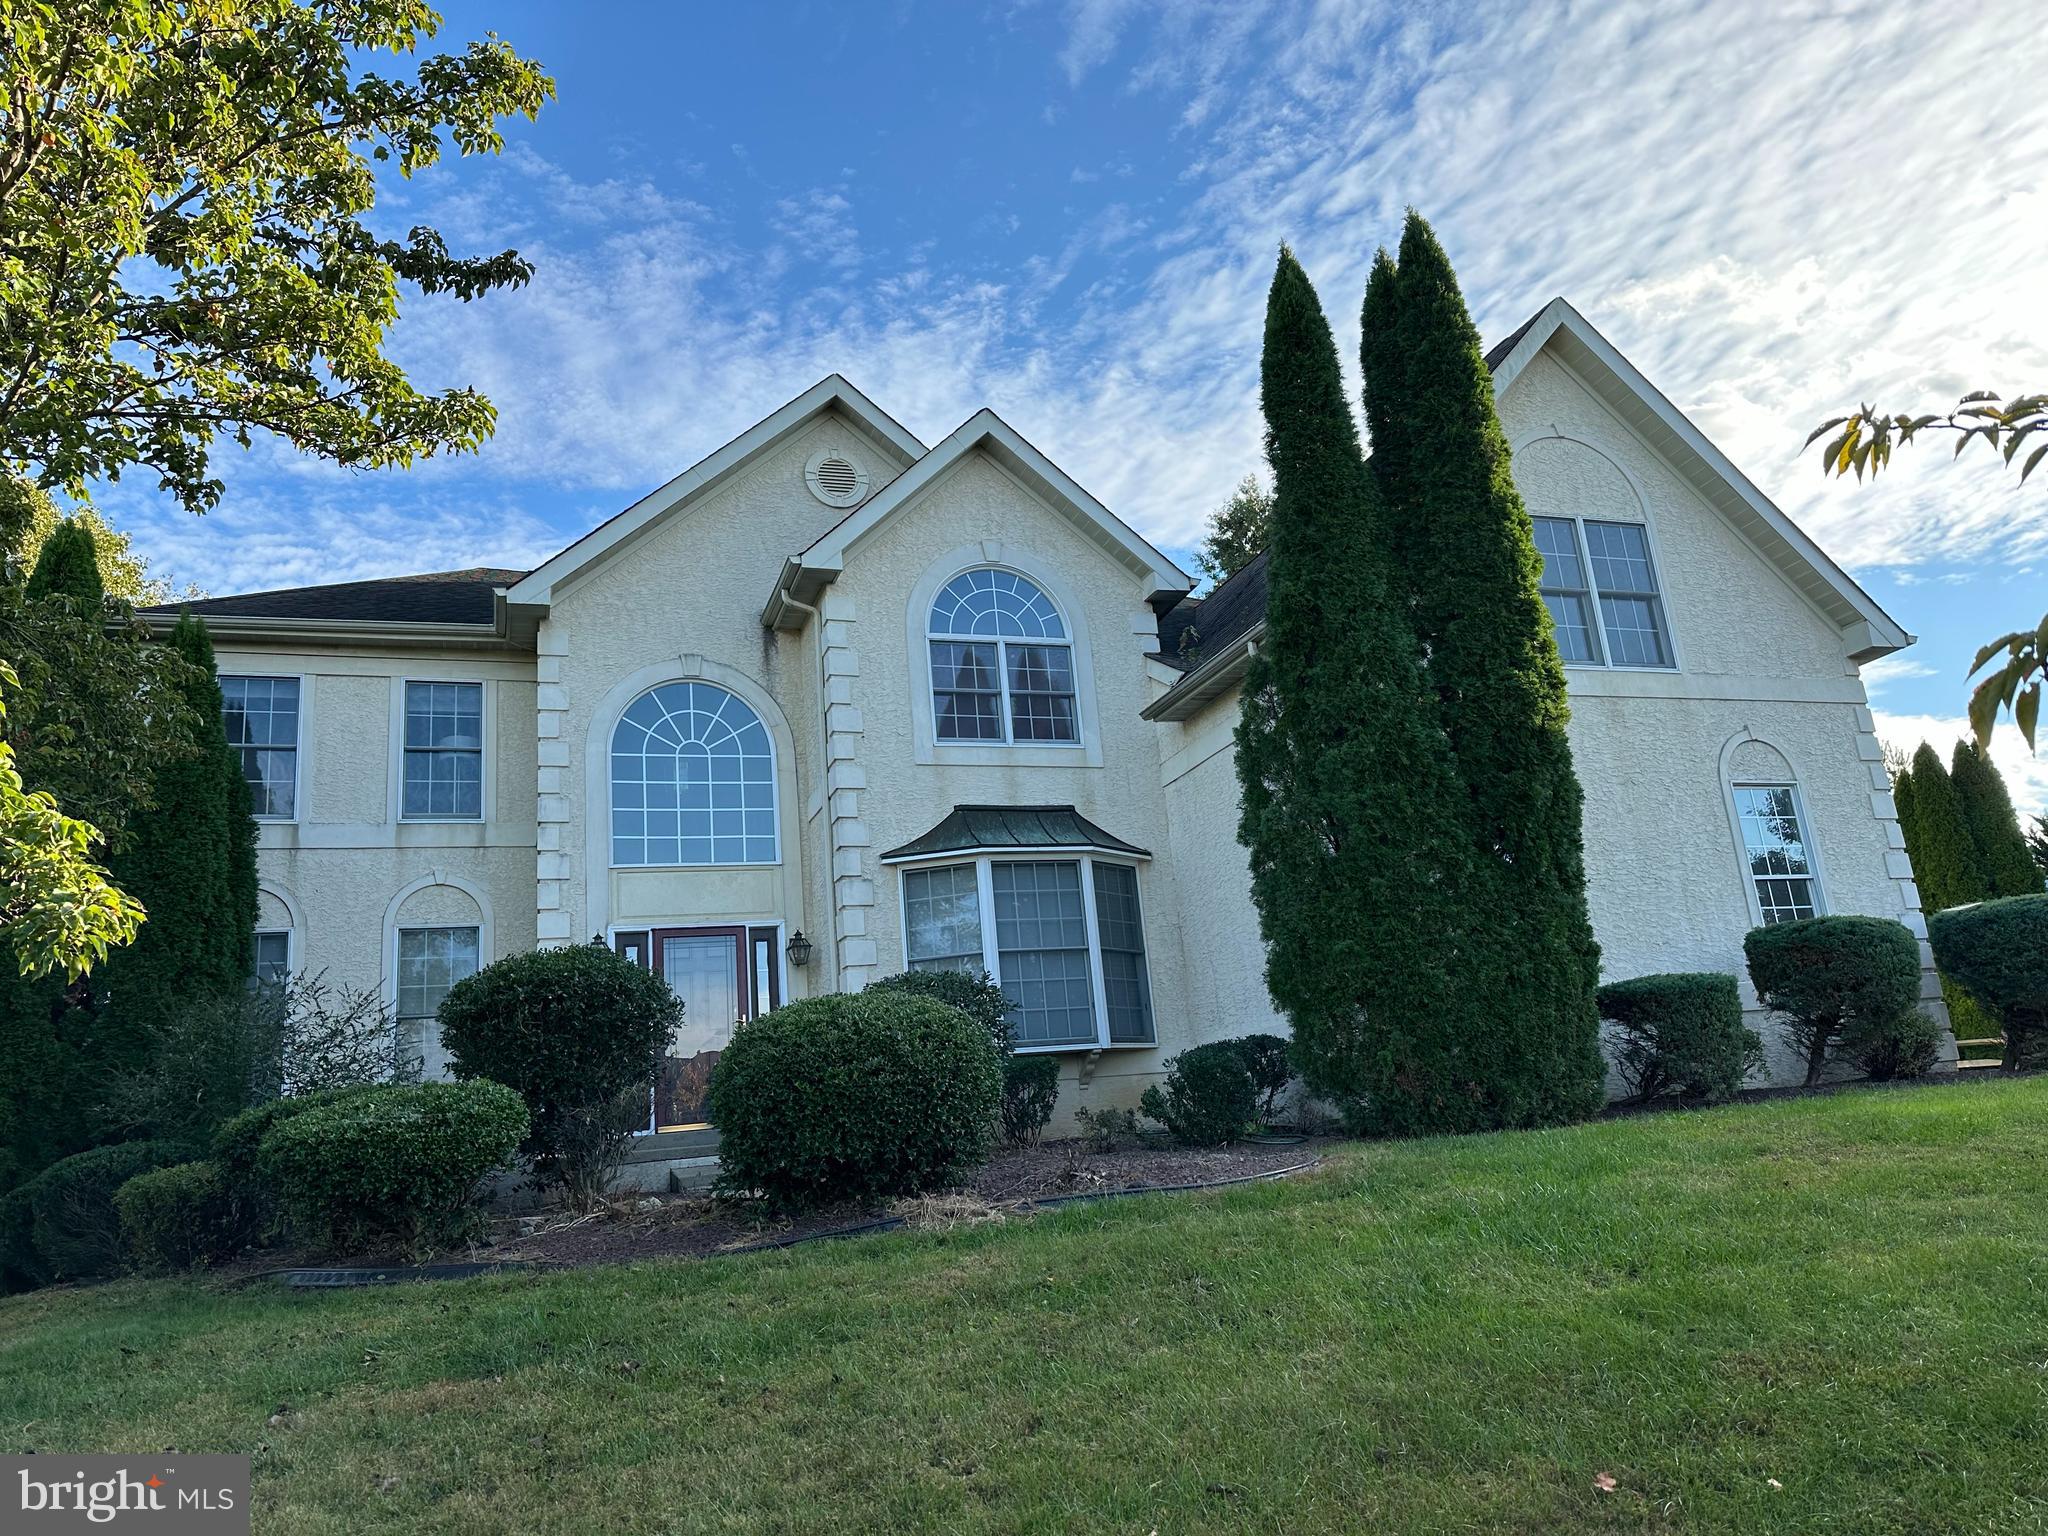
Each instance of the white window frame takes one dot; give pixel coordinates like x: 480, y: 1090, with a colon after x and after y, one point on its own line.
x: 486, y: 737
x: 991, y: 960
x: 291, y: 949
x: 399, y: 1017
x: 298, y: 741
x: 1813, y: 876
x: 993, y: 554
x: 1002, y: 644
x: 1596, y: 595
x: 611, y: 784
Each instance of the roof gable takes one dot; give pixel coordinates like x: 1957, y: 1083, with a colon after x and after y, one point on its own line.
x: 805, y: 575
x: 832, y: 393
x: 1868, y: 631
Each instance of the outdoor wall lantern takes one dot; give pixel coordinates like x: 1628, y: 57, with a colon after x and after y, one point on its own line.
x: 799, y: 949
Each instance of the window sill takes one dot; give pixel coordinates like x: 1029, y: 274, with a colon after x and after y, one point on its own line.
x: 1078, y: 754
x: 1083, y: 1047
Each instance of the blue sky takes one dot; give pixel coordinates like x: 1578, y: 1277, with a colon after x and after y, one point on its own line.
x: 1068, y: 211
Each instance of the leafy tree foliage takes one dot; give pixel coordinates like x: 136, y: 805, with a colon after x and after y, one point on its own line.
x: 1238, y: 530
x: 1351, y: 808
x: 2002, y: 857
x: 1467, y: 571
x: 185, y: 237
x: 28, y: 518
x: 58, y: 908
x: 2006, y: 425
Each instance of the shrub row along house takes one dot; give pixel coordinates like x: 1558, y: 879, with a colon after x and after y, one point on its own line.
x: 834, y: 703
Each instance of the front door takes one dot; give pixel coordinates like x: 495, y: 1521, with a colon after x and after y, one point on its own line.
x: 707, y: 969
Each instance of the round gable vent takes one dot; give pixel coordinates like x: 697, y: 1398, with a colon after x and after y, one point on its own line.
x: 836, y: 480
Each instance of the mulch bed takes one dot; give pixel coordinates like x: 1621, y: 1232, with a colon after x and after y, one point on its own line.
x: 684, y: 1226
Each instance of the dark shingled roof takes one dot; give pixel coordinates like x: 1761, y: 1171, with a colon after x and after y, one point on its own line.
x: 436, y: 597
x: 1196, y: 628
x: 969, y: 828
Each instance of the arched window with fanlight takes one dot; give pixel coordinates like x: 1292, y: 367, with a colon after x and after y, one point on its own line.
x: 1002, y: 662
x: 693, y: 780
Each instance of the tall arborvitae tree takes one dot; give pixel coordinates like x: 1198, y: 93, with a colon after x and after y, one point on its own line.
x: 1467, y: 567
x: 68, y: 566
x: 2002, y: 856
x: 1350, y: 804
x: 192, y: 864
x: 1946, y: 865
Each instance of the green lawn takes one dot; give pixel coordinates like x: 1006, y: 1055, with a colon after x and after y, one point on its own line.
x: 1848, y: 1295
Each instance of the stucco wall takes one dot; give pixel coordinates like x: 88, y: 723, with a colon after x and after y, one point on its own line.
x: 977, y: 513
x: 335, y: 875
x: 685, y: 601
x: 1762, y: 676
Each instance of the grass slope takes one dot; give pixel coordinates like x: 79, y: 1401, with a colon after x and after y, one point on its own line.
x: 1842, y: 1294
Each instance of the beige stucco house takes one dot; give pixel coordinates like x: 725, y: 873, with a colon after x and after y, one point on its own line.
x: 937, y: 705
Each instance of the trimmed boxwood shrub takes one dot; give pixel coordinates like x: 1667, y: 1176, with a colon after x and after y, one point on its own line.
x: 238, y: 1144
x: 182, y: 1215
x: 1031, y: 1091
x: 974, y: 993
x: 1270, y: 1060
x: 1208, y: 1098
x: 854, y: 1096
x: 77, y: 1230
x: 1832, y: 975
x: 398, y: 1162
x: 1997, y: 951
x: 578, y: 1032
x: 1681, y: 1031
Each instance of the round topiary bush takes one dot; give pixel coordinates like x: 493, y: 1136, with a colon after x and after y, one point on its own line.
x: 77, y: 1231
x: 1997, y: 951
x: 1681, y: 1032
x: 1827, y: 974
x: 974, y: 993
x: 854, y: 1096
x: 399, y: 1162
x: 182, y: 1215
x: 1208, y: 1098
x: 578, y: 1032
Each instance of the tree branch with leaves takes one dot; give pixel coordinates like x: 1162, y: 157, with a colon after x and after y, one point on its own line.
x: 185, y: 237
x: 2009, y: 426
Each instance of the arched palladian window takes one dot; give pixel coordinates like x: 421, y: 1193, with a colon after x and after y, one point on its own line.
x: 1002, y: 662
x: 693, y: 780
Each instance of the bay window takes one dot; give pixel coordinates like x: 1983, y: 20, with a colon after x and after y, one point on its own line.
x: 1064, y: 937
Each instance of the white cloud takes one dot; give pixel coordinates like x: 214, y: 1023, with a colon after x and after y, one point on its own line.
x: 1886, y: 670
x: 2026, y: 773
x: 1762, y: 204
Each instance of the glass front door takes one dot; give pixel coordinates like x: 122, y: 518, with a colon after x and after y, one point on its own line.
x: 705, y: 967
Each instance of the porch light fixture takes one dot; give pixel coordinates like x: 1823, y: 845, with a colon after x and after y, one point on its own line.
x: 799, y: 949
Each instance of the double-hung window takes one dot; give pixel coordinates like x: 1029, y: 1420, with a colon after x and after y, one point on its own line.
x: 261, y: 716
x: 1002, y: 663
x: 444, y: 752
x: 1775, y: 850
x: 430, y: 961
x: 1063, y: 936
x: 1590, y: 568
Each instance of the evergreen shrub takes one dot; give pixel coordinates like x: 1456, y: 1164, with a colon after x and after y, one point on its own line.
x: 1208, y: 1098
x: 1997, y: 951
x: 578, y: 1032
x: 400, y: 1162
x: 1031, y: 1091
x: 77, y: 1230
x: 1832, y: 977
x: 854, y: 1096
x: 183, y: 1215
x: 1681, y: 1032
